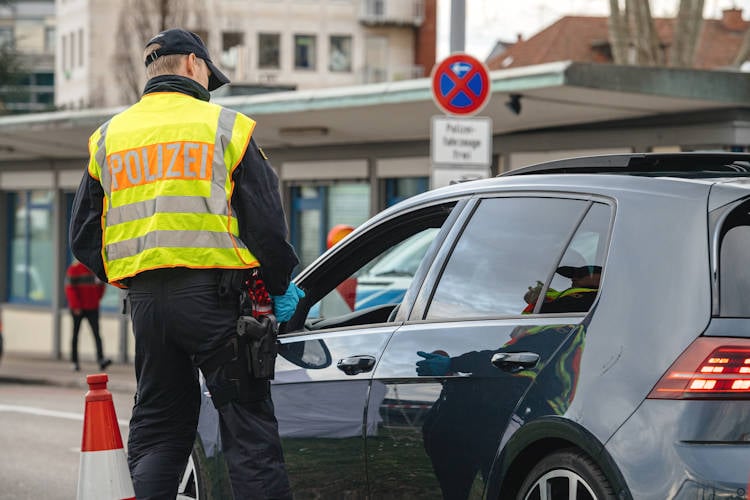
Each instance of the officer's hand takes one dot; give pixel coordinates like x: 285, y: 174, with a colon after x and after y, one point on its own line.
x: 433, y: 364
x: 285, y: 305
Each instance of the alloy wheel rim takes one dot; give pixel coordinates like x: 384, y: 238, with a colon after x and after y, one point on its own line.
x: 560, y: 484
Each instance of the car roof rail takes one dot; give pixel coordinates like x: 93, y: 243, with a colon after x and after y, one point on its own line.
x: 693, y: 164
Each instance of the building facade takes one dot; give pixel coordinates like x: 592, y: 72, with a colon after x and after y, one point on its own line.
x: 301, y: 44
x: 27, y: 28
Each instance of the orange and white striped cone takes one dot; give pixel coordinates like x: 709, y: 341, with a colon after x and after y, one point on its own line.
x: 103, y: 472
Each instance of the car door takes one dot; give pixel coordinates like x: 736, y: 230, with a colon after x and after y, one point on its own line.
x: 476, y: 340
x: 335, y: 340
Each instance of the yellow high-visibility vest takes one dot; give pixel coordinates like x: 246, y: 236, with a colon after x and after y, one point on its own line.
x: 166, y: 165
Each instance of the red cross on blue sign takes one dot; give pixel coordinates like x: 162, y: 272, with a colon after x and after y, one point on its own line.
x: 460, y: 85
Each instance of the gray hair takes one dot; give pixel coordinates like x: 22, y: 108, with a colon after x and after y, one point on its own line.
x: 162, y: 65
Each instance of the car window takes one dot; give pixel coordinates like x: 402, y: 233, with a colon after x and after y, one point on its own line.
x: 575, y: 283
x: 734, y: 273
x: 508, y: 246
x: 366, y: 277
x: 383, y: 280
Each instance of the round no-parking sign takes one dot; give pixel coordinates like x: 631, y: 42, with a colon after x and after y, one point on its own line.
x: 460, y: 84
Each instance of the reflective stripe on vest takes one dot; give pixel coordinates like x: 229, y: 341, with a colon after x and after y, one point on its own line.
x: 168, y: 185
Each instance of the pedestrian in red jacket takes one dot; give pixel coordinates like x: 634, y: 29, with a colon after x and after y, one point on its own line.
x: 84, y: 292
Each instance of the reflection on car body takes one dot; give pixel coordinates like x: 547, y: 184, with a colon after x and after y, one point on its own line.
x: 523, y: 350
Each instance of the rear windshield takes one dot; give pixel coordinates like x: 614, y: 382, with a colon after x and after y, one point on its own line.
x: 734, y: 263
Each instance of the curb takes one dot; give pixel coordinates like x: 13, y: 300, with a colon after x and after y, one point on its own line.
x: 70, y: 384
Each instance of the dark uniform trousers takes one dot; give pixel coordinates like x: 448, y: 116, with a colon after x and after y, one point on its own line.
x: 92, y: 316
x: 178, y: 319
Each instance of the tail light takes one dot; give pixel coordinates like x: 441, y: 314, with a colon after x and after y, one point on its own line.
x: 710, y: 368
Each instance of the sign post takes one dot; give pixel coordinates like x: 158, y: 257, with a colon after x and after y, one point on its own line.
x: 460, y: 145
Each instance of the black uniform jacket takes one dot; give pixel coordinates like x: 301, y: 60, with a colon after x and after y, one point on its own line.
x: 256, y: 201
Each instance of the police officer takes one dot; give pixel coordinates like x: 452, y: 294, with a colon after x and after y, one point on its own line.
x: 581, y: 294
x: 177, y: 202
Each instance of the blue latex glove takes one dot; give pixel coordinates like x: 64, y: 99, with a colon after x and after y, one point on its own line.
x: 433, y: 364
x: 285, y: 305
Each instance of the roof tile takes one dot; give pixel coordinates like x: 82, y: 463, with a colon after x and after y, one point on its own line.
x: 585, y: 39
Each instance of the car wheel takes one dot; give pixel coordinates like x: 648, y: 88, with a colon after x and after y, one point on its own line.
x: 192, y: 485
x: 566, y: 475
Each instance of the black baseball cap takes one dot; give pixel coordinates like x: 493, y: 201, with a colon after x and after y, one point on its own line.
x: 578, y: 272
x: 179, y: 41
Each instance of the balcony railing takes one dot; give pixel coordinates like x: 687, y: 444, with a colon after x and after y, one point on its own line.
x: 391, y: 12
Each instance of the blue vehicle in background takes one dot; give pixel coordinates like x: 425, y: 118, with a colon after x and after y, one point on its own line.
x: 383, y: 281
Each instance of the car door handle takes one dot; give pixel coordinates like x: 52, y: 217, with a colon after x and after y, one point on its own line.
x: 515, y: 361
x: 355, y: 365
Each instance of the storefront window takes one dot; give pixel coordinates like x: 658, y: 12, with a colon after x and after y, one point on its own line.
x: 316, y: 209
x: 31, y: 256
x: 399, y: 189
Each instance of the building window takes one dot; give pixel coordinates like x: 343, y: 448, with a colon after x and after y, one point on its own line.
x: 65, y: 66
x: 32, y: 252
x: 50, y: 39
x: 72, y: 48
x: 45, y: 79
x: 374, y: 8
x: 80, y: 47
x: 269, y: 45
x: 231, y: 43
x: 6, y: 36
x: 304, y: 51
x: 46, y: 98
x: 29, y: 92
x: 340, y: 54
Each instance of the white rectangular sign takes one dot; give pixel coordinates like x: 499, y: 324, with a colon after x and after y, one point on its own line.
x: 461, y: 141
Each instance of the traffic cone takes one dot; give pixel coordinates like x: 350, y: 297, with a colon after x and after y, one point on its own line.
x: 103, y: 472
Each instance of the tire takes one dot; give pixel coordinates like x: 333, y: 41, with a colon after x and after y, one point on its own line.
x: 192, y: 484
x: 561, y: 471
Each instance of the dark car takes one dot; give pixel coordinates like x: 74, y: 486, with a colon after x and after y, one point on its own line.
x: 575, y: 330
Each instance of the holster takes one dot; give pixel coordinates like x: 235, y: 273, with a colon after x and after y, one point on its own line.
x: 259, y: 338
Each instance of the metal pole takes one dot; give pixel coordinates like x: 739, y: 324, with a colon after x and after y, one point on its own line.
x: 458, y: 26
x: 59, y: 234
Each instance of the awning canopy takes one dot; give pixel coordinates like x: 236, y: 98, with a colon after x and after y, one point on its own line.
x: 552, y: 95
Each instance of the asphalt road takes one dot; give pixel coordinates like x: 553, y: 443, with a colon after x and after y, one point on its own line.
x: 40, y: 439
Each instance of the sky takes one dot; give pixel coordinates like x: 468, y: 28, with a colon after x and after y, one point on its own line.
x: 490, y: 20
